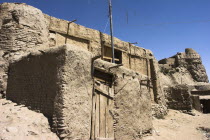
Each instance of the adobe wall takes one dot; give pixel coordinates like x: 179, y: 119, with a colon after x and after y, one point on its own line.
x: 159, y: 106
x: 22, y: 28
x: 62, y: 32
x: 179, y: 97
x: 34, y: 81
x: 187, y: 73
x: 77, y: 93
x: 188, y: 63
x: 132, y: 102
x: 58, y: 83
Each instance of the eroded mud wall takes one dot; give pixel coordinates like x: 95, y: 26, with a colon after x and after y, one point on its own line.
x: 34, y: 81
x: 132, y: 102
x: 77, y: 94
x: 179, y: 97
x: 132, y: 108
x: 22, y: 28
x: 58, y: 83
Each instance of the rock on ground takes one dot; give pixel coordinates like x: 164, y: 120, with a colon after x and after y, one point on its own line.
x: 19, y: 123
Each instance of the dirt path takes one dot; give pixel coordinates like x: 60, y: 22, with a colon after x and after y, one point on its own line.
x: 181, y: 126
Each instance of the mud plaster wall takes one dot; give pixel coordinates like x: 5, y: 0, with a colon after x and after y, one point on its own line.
x: 132, y: 102
x: 133, y: 57
x: 34, y: 81
x: 22, y: 28
x: 77, y: 94
x: 58, y: 83
x: 159, y: 106
x: 133, y: 108
x: 178, y: 97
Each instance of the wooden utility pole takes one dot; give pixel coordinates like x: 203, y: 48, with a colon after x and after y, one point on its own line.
x: 111, y: 30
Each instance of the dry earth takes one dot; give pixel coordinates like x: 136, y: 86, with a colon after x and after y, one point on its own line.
x: 20, y: 123
x: 181, y: 126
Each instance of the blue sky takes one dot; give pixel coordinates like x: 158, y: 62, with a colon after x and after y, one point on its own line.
x: 163, y: 26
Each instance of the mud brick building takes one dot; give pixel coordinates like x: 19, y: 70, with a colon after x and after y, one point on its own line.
x: 63, y: 70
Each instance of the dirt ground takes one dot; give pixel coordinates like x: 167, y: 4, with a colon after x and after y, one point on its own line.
x: 19, y: 123
x: 181, y: 126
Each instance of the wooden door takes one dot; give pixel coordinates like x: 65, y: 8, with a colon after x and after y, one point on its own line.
x: 102, y: 115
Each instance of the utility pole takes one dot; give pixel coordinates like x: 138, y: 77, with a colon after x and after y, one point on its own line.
x: 111, y: 30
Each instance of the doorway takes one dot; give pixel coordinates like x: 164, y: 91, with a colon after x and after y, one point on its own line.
x: 102, y: 114
x: 206, y: 105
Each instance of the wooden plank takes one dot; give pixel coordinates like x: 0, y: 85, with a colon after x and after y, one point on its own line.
x: 97, y: 116
x: 103, y: 104
x: 107, y: 119
x: 110, y: 119
x: 105, y: 93
x: 109, y: 58
x: 93, y: 117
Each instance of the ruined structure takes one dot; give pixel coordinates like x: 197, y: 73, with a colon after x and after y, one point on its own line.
x: 190, y: 61
x: 186, y: 81
x: 75, y: 86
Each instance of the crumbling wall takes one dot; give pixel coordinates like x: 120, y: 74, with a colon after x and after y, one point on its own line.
x: 34, y: 81
x: 179, y: 97
x: 159, y: 106
x: 187, y: 68
x: 22, y: 28
x: 77, y: 93
x: 196, y: 103
x: 58, y: 83
x: 132, y: 102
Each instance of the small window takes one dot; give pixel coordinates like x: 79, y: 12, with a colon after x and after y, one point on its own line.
x: 107, y: 55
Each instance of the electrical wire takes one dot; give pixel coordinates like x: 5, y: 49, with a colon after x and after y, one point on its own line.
x: 106, y: 25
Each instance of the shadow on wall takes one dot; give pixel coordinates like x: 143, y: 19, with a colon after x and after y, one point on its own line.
x: 33, y: 82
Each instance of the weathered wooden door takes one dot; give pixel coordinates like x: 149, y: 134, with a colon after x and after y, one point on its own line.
x: 102, y: 115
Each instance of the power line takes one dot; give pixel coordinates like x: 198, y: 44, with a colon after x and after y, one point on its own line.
x: 106, y: 25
